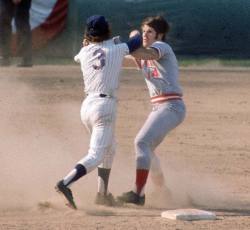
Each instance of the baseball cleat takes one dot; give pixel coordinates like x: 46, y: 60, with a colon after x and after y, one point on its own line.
x: 105, y: 199
x: 64, y: 190
x: 131, y: 197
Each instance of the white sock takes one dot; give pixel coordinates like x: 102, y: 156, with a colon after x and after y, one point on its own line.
x: 69, y: 177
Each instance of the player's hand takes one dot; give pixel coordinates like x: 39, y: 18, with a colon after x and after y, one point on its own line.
x: 117, y: 40
x: 133, y: 33
x: 85, y: 42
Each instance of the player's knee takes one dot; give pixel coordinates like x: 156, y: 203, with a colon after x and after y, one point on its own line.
x: 143, y: 161
x: 143, y: 153
x: 98, y: 157
x: 141, y: 144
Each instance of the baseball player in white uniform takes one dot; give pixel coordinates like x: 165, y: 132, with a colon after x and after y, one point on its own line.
x: 158, y: 63
x: 101, y: 61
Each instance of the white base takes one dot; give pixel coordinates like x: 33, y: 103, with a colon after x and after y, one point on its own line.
x: 188, y: 214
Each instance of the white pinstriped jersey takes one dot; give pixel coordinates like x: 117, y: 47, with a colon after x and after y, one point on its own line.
x: 162, y: 75
x: 101, y: 64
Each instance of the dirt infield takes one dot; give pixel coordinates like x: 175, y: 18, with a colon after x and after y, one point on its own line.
x: 206, y: 159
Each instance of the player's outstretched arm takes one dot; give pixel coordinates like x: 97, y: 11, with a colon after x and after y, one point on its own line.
x: 135, y: 34
x: 143, y: 53
x: 117, y: 39
x: 146, y: 54
x: 134, y: 42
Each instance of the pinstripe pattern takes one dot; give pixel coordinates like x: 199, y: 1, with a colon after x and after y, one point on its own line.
x: 101, y: 64
x: 105, y: 80
x: 98, y: 113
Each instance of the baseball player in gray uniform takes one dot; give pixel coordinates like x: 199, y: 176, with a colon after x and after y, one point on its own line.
x: 158, y: 63
x: 101, y: 61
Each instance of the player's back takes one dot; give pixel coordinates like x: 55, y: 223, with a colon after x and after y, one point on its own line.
x: 101, y: 64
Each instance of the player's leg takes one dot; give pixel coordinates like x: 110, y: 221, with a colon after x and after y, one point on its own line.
x: 104, y: 170
x: 104, y: 197
x: 143, y: 158
x: 99, y: 144
x: 100, y: 141
x: 79, y: 170
x: 94, y: 157
x: 156, y: 172
x: 6, y: 14
x: 159, y: 122
x: 24, y: 36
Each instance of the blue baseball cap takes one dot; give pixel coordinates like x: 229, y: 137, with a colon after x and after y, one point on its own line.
x: 97, y: 25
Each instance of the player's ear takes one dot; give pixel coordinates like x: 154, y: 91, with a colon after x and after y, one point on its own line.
x: 85, y: 42
x: 159, y: 36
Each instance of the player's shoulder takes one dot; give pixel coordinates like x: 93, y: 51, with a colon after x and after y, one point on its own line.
x: 114, y: 42
x: 163, y: 48
x: 162, y: 44
x: 90, y: 48
x: 114, y: 45
x: 83, y: 52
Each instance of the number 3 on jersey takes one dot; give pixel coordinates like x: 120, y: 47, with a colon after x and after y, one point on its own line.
x: 101, y: 59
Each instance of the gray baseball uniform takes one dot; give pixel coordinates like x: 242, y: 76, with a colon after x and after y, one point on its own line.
x: 168, y: 109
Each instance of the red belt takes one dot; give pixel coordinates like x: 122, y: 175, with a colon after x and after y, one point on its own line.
x: 166, y: 97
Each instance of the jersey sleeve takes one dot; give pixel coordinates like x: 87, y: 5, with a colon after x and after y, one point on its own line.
x: 117, y: 40
x: 162, y: 48
x: 134, y: 43
x: 77, y: 58
x: 123, y: 48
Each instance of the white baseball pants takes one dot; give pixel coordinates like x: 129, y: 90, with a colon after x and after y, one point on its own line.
x: 98, y: 114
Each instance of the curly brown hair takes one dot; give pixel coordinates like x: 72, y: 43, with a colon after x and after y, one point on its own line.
x: 159, y: 24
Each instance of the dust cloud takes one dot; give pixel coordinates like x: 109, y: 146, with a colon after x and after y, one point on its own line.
x: 37, y: 145
x: 42, y: 138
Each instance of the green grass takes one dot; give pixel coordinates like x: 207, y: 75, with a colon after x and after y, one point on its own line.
x: 236, y: 62
x: 186, y: 61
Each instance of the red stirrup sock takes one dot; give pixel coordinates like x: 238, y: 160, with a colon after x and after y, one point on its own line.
x: 141, y: 179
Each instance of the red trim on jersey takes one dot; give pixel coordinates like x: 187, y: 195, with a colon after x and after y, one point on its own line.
x: 166, y: 97
x: 151, y: 69
x: 155, y: 72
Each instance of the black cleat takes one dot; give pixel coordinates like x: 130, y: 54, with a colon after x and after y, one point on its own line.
x: 131, y: 197
x: 63, y: 189
x: 106, y: 200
